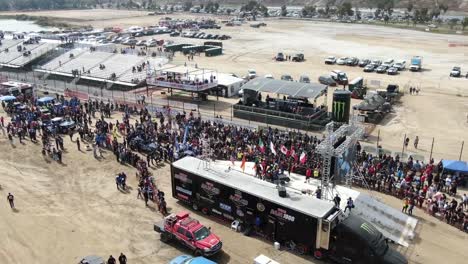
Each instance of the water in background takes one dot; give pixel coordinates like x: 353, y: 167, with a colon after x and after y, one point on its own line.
x: 21, y: 26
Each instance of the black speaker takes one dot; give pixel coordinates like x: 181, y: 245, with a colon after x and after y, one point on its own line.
x: 282, y: 191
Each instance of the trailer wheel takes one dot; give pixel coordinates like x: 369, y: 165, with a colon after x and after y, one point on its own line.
x: 318, y: 254
x: 195, y: 206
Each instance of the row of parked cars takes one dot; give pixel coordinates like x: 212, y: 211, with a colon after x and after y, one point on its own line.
x: 143, y: 42
x: 203, y: 35
x: 389, y: 66
x: 333, y: 79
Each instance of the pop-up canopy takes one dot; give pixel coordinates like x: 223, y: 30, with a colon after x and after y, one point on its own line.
x: 455, y: 165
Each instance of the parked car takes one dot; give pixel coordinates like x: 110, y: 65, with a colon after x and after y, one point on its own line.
x: 388, y: 63
x: 286, y: 77
x: 339, y: 77
x: 130, y: 42
x: 327, y: 80
x: 352, y: 61
x: 174, y: 34
x: 456, y: 72
x: 330, y: 60
x: 304, y: 79
x: 392, y: 71
x: 298, y: 57
x: 400, y: 65
x: 189, y: 232
x: 152, y: 43
x: 369, y: 68
x: 279, y: 56
x: 376, y: 63
x: 251, y: 73
x: 186, y: 259
x: 364, y: 62
x: 342, y: 61
x: 141, y: 43
x: 268, y: 76
x: 381, y: 69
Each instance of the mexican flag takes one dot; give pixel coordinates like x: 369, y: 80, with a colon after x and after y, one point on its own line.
x: 261, y: 146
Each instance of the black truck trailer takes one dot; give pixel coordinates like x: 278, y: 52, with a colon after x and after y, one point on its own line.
x: 279, y: 214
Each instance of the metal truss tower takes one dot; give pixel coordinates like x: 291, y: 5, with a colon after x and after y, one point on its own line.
x: 326, y: 149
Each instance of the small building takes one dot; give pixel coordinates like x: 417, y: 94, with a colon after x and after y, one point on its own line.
x: 229, y: 85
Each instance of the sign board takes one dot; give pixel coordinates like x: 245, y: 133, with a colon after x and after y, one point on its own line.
x: 182, y: 86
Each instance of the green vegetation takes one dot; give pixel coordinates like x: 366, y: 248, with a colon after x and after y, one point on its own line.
x: 255, y: 8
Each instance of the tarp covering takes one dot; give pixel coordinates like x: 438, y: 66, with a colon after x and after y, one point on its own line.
x: 295, y: 89
x: 370, y: 103
x: 45, y: 99
x: 455, y: 165
x: 7, y: 98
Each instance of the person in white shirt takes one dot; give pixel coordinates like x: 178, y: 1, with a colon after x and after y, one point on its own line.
x: 465, y: 201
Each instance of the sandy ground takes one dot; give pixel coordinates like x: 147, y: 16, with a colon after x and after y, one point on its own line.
x: 66, y: 211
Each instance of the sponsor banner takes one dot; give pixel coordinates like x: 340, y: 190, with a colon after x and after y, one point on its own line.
x: 79, y: 95
x: 183, y: 190
x: 181, y: 86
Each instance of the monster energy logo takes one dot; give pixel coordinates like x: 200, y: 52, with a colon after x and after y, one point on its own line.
x: 369, y: 229
x: 339, y: 109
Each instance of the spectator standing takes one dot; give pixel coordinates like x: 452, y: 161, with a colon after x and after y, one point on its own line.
x: 416, y: 141
x: 122, y: 259
x: 111, y: 260
x: 11, y: 200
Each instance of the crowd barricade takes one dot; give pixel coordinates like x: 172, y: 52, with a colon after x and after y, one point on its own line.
x: 231, y: 123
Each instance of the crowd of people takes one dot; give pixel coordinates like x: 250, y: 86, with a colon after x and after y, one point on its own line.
x: 275, y: 153
x: 427, y: 186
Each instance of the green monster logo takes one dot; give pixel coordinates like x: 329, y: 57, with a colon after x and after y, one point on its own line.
x: 338, y: 110
x: 369, y: 229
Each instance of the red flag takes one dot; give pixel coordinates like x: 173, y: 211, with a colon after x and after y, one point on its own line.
x: 284, y: 150
x: 303, y: 158
x: 243, y: 163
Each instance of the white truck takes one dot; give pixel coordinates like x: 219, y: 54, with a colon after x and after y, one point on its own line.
x: 416, y: 63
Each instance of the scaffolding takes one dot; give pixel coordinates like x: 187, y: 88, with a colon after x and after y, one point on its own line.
x: 352, y: 133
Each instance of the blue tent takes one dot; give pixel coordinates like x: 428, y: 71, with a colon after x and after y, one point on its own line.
x: 45, y: 99
x: 455, y: 165
x: 7, y: 98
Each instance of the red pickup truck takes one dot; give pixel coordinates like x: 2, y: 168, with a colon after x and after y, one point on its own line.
x: 189, y: 232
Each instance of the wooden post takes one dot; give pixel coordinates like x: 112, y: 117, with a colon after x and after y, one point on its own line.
x: 461, y: 150
x: 432, y: 147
